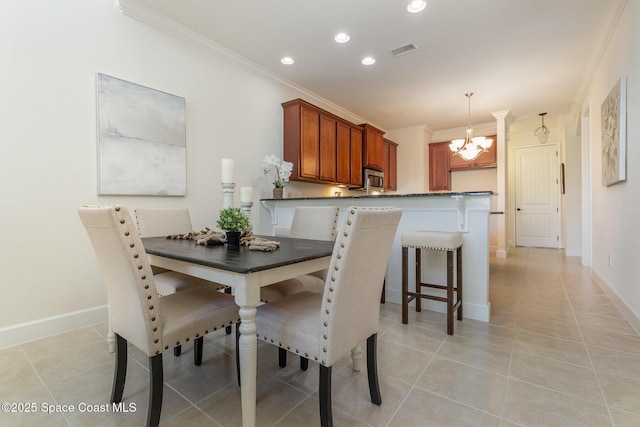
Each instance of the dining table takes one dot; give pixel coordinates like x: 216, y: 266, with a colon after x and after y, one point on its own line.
x: 245, y: 271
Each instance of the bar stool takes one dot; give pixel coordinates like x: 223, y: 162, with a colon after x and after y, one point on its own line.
x: 439, y: 241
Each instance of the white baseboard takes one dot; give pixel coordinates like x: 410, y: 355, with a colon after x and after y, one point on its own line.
x: 626, y: 311
x: 41, y: 328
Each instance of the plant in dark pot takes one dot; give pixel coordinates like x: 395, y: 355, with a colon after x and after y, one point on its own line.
x: 233, y: 221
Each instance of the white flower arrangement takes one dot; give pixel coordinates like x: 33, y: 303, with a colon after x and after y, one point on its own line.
x: 283, y: 169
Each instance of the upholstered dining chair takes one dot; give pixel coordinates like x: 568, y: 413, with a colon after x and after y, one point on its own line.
x: 309, y: 222
x: 325, y: 327
x: 138, y: 315
x: 162, y: 222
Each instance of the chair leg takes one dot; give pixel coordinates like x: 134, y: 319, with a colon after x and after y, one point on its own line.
x: 450, y: 292
x: 155, y: 390
x: 418, y: 279
x: 459, y: 280
x: 177, y: 350
x: 228, y: 328
x: 304, y: 363
x: 238, y: 352
x: 405, y: 286
x: 326, y: 417
x: 372, y: 369
x: 120, y: 371
x: 198, y: 343
x: 282, y: 357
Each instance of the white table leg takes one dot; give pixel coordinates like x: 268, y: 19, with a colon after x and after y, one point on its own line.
x: 356, y: 358
x: 111, y: 337
x: 248, y: 364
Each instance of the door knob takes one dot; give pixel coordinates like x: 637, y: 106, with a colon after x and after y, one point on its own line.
x: 517, y: 209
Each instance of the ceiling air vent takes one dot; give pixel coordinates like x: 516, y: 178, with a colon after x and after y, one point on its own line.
x: 404, y: 49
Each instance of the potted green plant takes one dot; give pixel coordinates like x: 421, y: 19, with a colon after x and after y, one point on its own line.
x: 233, y: 221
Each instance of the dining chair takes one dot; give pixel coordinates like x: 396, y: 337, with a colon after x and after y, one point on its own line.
x: 325, y: 327
x: 309, y: 222
x: 162, y: 222
x: 138, y: 315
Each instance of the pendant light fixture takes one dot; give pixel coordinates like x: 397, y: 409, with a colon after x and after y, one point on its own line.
x: 542, y: 132
x: 470, y: 147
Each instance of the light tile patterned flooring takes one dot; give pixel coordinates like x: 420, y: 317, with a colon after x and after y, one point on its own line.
x: 556, y: 353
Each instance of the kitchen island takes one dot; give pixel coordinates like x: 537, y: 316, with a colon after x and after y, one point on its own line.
x: 463, y: 212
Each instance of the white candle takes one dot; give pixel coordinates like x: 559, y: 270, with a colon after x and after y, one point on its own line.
x: 227, y: 170
x: 246, y: 194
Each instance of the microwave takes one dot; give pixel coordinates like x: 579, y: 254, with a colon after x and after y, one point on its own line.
x: 373, y: 180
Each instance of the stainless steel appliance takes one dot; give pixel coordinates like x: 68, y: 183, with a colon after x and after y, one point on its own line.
x: 373, y: 180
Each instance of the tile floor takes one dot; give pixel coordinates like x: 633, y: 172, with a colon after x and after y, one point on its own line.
x: 556, y: 353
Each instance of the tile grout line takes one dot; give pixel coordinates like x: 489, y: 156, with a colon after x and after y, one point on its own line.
x: 515, y: 337
x: 586, y: 348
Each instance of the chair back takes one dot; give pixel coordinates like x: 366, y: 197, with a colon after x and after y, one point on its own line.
x: 133, y: 300
x: 314, y: 222
x: 351, y: 299
x: 160, y: 222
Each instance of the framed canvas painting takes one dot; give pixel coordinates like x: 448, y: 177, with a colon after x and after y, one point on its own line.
x: 614, y: 134
x: 141, y: 140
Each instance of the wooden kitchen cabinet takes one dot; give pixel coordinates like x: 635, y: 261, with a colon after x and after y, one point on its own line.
x: 302, y: 140
x: 372, y: 143
x: 356, y: 156
x: 390, y: 168
x: 484, y: 160
x: 323, y: 148
x: 439, y: 173
x: 327, y: 148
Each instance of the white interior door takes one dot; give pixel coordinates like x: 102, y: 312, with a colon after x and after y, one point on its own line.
x: 537, y: 196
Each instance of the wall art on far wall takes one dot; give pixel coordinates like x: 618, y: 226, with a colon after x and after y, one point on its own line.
x: 614, y: 134
x: 141, y: 140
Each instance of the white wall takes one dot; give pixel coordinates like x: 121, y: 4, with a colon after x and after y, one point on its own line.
x: 413, y: 158
x: 615, y: 214
x: 51, y: 54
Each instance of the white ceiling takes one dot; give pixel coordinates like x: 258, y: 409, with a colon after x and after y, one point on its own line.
x: 526, y: 56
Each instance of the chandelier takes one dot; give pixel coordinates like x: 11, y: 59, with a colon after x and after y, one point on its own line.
x: 470, y: 147
x: 542, y: 132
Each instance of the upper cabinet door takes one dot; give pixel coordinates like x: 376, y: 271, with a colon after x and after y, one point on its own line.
x: 439, y: 174
x: 343, y: 152
x: 372, y: 146
x: 356, y: 156
x: 309, y: 143
x: 327, y: 148
x: 391, y: 167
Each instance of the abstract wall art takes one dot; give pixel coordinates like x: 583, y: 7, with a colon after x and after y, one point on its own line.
x: 141, y: 140
x: 614, y: 134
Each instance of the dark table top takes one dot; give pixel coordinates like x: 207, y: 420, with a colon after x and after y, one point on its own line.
x: 241, y: 260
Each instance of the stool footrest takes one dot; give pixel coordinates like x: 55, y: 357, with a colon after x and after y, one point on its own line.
x: 431, y: 285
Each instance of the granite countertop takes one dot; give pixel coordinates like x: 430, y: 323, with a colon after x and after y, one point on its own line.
x: 394, y: 195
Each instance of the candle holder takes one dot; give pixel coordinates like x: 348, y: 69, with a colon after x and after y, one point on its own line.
x: 227, y: 194
x: 246, y: 208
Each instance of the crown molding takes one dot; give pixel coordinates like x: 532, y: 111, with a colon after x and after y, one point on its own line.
x: 605, y: 34
x: 160, y: 22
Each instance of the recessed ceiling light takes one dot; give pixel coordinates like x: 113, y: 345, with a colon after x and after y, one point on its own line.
x: 368, y: 61
x: 416, y: 6
x: 342, y: 38
x: 287, y: 60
